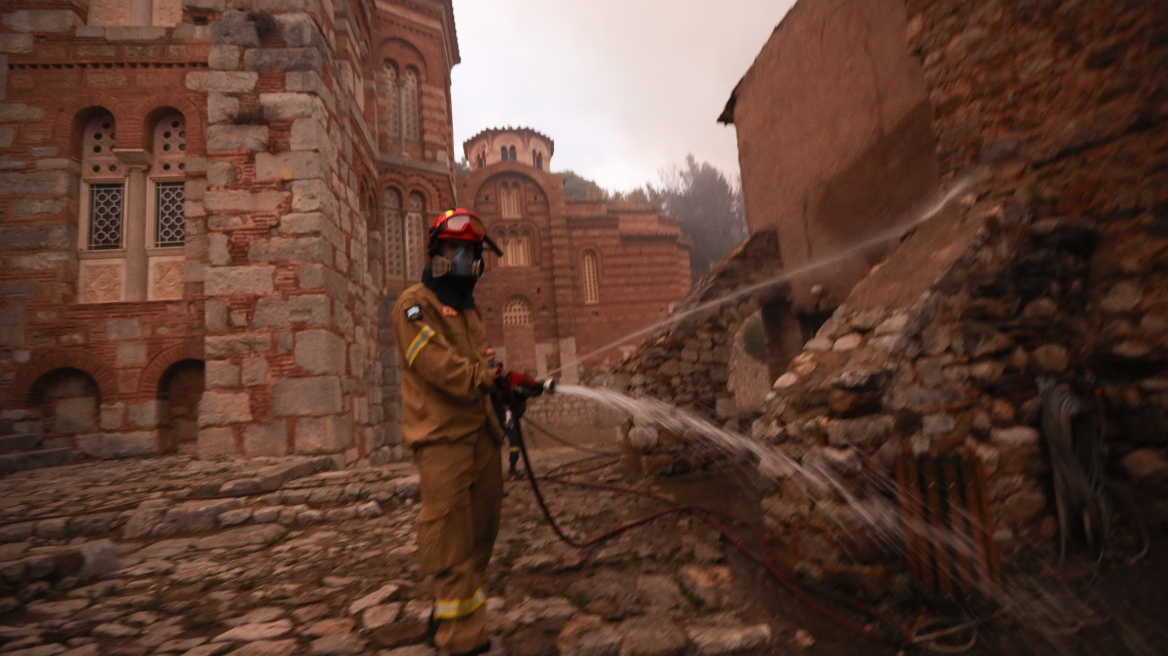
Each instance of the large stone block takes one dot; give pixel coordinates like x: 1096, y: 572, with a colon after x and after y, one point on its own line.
x: 218, y: 408
x: 244, y: 201
x: 38, y: 183
x: 226, y: 137
x: 255, y: 372
x: 112, y: 415
x: 282, y: 59
x: 300, y: 30
x: 36, y: 238
x: 75, y: 415
x: 124, y: 328
x: 237, y: 344
x: 286, y: 105
x: 310, y: 134
x: 204, y: 5
x: 269, y: 438
x: 221, y: 374
x: 129, y: 354
x: 216, y: 442
x: 313, y: 196
x: 221, y: 108
x: 291, y: 249
x: 56, y: 21
x: 16, y: 44
x: 223, y: 58
x: 146, y: 414
x: 223, y: 281
x: 320, y: 352
x: 235, y: 32
x: 308, y: 6
x: 130, y: 445
x: 135, y: 33
x: 320, y: 395
x: 312, y: 310
x: 290, y: 166
x: 323, y: 435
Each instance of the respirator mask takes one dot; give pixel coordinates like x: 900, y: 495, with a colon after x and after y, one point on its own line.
x: 460, y: 262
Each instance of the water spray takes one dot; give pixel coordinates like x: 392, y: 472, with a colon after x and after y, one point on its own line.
x: 896, y: 232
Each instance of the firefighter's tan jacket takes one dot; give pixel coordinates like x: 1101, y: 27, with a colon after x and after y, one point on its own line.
x: 446, y: 383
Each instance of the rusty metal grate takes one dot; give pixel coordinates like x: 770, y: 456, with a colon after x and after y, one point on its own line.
x: 947, y: 529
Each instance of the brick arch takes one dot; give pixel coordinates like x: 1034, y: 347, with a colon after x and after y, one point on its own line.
x: 71, y: 118
x: 404, y: 54
x: 156, y: 368
x: 145, y: 117
x: 49, y: 361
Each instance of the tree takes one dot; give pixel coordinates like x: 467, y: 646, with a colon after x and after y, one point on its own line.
x: 710, y: 210
x: 579, y: 188
x: 461, y: 167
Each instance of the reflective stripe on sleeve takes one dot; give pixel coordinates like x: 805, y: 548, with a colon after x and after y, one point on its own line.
x: 453, y: 609
x: 514, y: 449
x: 421, y: 340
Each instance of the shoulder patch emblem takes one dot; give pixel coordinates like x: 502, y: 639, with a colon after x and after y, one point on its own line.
x: 448, y: 311
x: 414, y: 313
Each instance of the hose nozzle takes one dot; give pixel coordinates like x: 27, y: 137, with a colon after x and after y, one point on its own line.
x: 549, y: 385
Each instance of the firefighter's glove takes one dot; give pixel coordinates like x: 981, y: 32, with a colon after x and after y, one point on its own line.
x: 520, y: 384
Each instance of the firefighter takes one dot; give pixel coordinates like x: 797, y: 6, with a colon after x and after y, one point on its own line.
x: 510, y: 429
x: 448, y: 421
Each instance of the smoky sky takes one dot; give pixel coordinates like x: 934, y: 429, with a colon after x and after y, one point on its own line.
x: 623, y: 87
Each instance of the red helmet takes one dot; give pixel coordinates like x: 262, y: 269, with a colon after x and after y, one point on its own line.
x: 460, y: 224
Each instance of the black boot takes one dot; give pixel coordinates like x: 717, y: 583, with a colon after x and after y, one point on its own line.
x: 431, y: 629
x: 477, y: 651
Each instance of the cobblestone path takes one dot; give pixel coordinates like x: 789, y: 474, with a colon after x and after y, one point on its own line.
x: 181, y: 556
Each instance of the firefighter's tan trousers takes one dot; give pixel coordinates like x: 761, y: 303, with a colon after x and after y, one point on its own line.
x: 462, y: 491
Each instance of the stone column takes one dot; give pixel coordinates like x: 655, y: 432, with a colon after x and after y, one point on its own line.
x: 137, y: 162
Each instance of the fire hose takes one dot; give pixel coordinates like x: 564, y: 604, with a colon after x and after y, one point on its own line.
x: 893, y: 632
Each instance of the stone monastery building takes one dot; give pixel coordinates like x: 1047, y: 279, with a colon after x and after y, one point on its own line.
x: 208, y: 207
x: 575, y: 276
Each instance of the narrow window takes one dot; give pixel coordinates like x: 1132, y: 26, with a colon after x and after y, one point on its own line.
x: 167, y: 175
x: 169, y: 219
x: 517, y: 311
x: 106, y: 221
x: 394, y: 260
x: 511, y: 152
x: 591, y: 274
x: 416, y: 231
x: 517, y: 249
x: 103, y: 186
x: 392, y: 100
x: 503, y: 153
x: 410, y: 128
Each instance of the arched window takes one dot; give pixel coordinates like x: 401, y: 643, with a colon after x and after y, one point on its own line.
x: 517, y: 311
x: 516, y: 246
x: 511, y: 152
x: 503, y: 153
x: 394, y: 257
x: 169, y: 180
x: 590, y: 271
x: 103, y: 187
x: 409, y: 95
x: 415, y: 236
x: 392, y: 99
x: 509, y: 200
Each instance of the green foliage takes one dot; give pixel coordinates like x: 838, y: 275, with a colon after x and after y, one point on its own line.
x: 754, y: 339
x: 579, y: 188
x: 461, y: 167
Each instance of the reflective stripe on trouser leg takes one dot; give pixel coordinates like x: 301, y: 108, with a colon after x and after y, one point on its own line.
x: 461, y: 489
x: 453, y: 609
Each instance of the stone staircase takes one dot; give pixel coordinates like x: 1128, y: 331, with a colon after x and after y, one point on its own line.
x: 21, y: 451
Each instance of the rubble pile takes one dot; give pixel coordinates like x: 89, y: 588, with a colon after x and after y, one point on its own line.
x: 688, y: 362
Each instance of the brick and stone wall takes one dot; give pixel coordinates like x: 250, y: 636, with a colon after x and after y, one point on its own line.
x: 317, y: 149
x: 1049, y: 264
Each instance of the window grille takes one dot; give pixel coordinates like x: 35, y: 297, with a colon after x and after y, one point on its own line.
x: 509, y: 200
x: 106, y: 202
x: 169, y: 217
x: 517, y: 311
x: 410, y: 105
x: 516, y: 250
x: 393, y: 234
x: 416, y: 232
x: 392, y: 100
x: 591, y: 272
